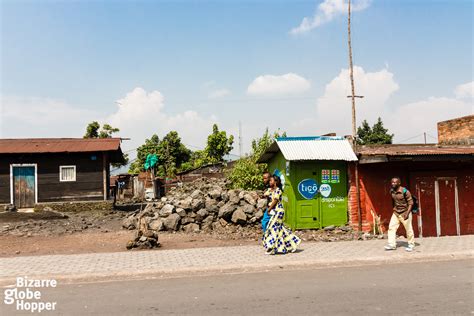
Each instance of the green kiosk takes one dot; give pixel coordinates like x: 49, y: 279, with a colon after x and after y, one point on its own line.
x: 313, y: 171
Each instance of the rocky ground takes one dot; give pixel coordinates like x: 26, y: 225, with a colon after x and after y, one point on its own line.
x: 51, y: 223
x: 201, y: 214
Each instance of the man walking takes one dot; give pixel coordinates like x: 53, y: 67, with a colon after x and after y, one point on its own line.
x: 266, y: 217
x: 402, y: 207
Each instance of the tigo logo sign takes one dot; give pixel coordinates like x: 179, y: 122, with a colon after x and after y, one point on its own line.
x: 308, y: 188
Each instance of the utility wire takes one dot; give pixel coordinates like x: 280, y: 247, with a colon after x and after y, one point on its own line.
x: 250, y: 99
x: 410, y: 138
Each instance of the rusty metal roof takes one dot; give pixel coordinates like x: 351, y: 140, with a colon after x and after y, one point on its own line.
x: 311, y: 148
x: 414, y: 150
x: 58, y: 145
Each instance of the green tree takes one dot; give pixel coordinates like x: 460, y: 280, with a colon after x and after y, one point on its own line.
x: 376, y: 134
x: 197, y: 159
x: 92, y: 131
x: 107, y: 131
x: 172, y: 154
x: 247, y: 173
x: 261, y: 144
x: 151, y: 146
x: 218, y: 145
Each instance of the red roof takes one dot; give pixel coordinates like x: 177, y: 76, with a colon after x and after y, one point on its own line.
x: 58, y: 145
x: 414, y: 150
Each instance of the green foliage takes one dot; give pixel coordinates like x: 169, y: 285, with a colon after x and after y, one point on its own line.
x: 218, y: 145
x: 151, y: 146
x: 197, y: 159
x: 247, y: 173
x: 376, y: 135
x: 107, y: 131
x: 261, y: 144
x: 92, y: 131
x: 172, y: 154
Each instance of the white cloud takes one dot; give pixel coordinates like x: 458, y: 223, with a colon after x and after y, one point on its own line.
x: 334, y: 108
x: 141, y: 114
x: 42, y: 117
x: 213, y: 91
x: 270, y: 85
x: 417, y: 117
x: 465, y: 90
x: 138, y: 116
x: 219, y: 93
x: 326, y: 12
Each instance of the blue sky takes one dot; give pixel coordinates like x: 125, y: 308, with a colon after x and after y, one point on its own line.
x: 186, y: 64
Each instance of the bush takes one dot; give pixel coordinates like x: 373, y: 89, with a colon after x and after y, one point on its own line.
x: 247, y: 174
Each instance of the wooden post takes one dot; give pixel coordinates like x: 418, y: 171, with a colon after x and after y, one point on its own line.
x: 104, y: 175
x: 153, y: 182
x: 354, y: 129
x: 351, y: 70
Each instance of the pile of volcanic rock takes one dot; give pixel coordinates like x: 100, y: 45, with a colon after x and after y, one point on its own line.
x: 144, y: 237
x: 202, y: 205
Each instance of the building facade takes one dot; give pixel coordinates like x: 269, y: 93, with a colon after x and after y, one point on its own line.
x: 442, y: 178
x: 313, y: 171
x: 56, y: 170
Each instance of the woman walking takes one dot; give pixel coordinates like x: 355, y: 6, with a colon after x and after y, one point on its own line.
x: 277, y: 237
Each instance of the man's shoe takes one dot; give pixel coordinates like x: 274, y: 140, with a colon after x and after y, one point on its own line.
x: 410, y: 248
x: 388, y: 247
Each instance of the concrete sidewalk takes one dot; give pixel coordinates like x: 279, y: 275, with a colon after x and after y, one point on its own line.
x: 164, y: 263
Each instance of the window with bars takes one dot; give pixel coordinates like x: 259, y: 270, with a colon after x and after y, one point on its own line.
x: 67, y: 173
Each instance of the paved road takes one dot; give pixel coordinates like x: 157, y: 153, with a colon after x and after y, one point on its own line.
x: 425, y: 288
x: 132, y: 264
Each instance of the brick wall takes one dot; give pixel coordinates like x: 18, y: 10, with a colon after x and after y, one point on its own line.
x: 352, y: 203
x: 457, y: 131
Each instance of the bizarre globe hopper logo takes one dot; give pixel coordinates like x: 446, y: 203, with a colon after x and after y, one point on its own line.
x: 308, y: 188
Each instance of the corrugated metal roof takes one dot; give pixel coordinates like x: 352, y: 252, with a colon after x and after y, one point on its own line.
x: 58, y: 145
x: 311, y: 148
x: 414, y: 150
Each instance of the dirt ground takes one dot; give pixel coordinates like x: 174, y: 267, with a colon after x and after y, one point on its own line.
x: 91, y: 242
x: 50, y: 233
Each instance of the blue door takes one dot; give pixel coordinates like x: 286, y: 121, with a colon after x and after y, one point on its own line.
x: 24, y: 187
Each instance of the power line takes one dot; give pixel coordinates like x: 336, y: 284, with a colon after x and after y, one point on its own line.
x: 249, y: 99
x: 410, y: 138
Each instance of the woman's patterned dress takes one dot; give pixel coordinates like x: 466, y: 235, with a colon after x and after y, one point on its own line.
x: 277, y: 237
